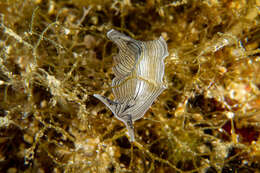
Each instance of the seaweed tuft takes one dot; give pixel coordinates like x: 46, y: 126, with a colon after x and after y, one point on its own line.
x: 55, y: 56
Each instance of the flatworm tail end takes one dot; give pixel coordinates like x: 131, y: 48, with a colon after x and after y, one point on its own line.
x: 130, y: 128
x: 131, y: 133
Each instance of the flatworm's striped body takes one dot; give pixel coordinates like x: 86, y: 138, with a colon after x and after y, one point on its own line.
x: 139, y: 71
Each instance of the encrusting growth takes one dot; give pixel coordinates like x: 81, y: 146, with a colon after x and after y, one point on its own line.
x: 139, y: 71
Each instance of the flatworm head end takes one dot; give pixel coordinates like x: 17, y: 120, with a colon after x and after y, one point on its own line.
x: 126, y: 119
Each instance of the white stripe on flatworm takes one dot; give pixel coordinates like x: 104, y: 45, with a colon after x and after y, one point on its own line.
x: 139, y: 70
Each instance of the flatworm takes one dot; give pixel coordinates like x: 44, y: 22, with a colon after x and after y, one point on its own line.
x: 139, y: 71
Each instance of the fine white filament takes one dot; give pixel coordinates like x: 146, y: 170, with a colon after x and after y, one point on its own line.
x: 139, y: 71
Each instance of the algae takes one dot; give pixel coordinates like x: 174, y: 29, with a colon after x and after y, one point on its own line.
x: 55, y: 56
